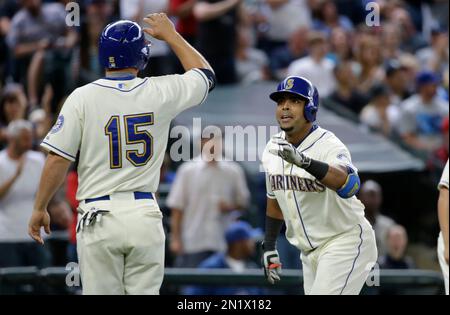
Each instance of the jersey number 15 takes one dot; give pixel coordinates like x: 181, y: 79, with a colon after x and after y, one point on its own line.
x: 113, y: 131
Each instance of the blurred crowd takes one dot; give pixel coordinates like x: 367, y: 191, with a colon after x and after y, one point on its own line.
x: 391, y: 74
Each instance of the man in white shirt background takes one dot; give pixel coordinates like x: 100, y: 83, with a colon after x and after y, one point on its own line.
x: 203, y: 196
x: 20, y: 170
x: 316, y: 67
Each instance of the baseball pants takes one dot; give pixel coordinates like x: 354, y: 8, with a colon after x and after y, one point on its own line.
x: 341, y: 265
x: 442, y: 262
x: 123, y: 253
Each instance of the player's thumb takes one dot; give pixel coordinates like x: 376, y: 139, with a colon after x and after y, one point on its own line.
x: 47, y: 228
x: 149, y: 31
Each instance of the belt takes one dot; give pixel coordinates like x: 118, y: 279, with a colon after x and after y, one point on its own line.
x: 137, y: 196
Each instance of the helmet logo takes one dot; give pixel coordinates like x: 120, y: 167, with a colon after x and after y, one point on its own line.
x: 112, y: 62
x: 289, y: 84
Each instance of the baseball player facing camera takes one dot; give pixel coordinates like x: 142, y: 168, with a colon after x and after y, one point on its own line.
x: 119, y: 126
x: 311, y: 185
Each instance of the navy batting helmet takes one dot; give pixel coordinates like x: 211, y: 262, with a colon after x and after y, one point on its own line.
x: 122, y: 45
x: 301, y: 87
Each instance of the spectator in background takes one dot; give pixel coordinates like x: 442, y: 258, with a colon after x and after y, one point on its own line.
x: 137, y: 10
x: 379, y: 114
x: 369, y: 57
x: 396, y: 13
x: 441, y: 154
x: 186, y: 24
x: 397, y: 242
x: 205, y: 192
x: 240, y: 238
x: 41, y: 43
x: 329, y: 18
x: 20, y: 171
x: 435, y: 57
x: 98, y: 15
x: 340, y: 45
x: 13, y: 105
x: 283, y: 56
x: 422, y: 115
x: 371, y: 196
x: 316, y: 67
x: 346, y: 93
x: 7, y: 10
x: 391, y: 39
x: 284, y: 17
x: 217, y: 35
x: 252, y: 65
x: 397, y: 81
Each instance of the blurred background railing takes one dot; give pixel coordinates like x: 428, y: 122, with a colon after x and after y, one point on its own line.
x: 30, y: 280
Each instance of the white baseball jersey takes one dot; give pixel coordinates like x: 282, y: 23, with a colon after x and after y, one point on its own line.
x: 313, y: 213
x: 443, y: 183
x: 120, y: 129
x: 444, y: 179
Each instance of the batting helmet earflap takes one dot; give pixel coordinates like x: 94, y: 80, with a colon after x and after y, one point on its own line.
x: 301, y: 87
x: 122, y: 45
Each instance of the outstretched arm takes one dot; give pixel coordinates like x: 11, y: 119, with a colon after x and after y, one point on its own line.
x: 53, y: 175
x: 443, y: 217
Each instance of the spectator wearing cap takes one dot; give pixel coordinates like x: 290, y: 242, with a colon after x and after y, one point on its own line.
x: 396, y: 80
x: 13, y: 105
x: 316, y: 67
x: 436, y: 56
x: 346, y: 93
x: 240, y: 238
x: 422, y: 115
x: 20, y: 170
x: 371, y: 195
x: 379, y: 114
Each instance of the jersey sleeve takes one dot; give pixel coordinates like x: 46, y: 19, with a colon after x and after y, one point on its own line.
x: 65, y: 137
x: 443, y: 183
x: 184, y: 91
x: 338, y: 154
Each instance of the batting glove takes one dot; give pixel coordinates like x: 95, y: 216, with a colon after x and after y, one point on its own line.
x: 289, y: 153
x: 272, y: 266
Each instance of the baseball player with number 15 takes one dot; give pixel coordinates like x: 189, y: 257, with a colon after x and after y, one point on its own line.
x: 311, y: 186
x: 119, y: 126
